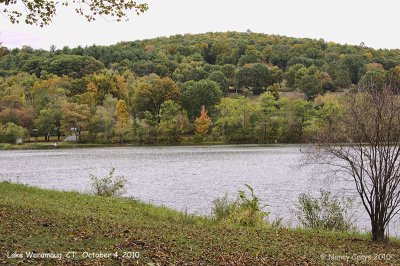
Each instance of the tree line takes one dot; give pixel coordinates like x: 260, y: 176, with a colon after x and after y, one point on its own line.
x: 232, y: 87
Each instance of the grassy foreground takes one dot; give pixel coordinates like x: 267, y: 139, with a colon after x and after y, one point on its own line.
x: 44, y: 221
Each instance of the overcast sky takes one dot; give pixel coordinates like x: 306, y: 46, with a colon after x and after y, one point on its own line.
x: 376, y: 23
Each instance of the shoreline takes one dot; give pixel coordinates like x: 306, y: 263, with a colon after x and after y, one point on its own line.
x: 68, y: 145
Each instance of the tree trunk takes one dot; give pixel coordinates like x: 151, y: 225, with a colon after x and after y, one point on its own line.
x: 265, y: 133
x: 378, y: 232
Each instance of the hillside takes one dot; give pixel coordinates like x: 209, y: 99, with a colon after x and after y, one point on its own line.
x: 165, y: 55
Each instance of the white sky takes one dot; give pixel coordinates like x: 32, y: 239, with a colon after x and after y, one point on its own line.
x: 376, y: 23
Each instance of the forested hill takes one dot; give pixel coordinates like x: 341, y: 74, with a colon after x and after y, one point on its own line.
x: 188, y: 57
x: 169, y: 89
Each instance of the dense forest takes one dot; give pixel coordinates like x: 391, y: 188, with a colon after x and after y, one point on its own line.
x: 222, y: 87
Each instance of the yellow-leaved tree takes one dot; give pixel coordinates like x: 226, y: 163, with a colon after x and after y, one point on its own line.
x: 123, y: 121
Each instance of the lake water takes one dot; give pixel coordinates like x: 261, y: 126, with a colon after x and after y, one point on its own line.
x: 185, y: 178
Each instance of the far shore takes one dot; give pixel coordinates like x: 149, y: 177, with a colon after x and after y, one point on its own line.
x: 75, y: 145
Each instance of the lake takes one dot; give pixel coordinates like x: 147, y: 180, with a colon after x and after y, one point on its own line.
x: 186, y: 178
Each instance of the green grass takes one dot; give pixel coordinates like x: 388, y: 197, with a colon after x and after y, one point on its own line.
x: 39, y: 220
x: 73, y: 145
x: 47, y: 145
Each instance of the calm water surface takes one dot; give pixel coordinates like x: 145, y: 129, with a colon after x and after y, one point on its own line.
x: 183, y: 178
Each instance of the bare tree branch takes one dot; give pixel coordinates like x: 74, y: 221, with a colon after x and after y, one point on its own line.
x: 365, y: 145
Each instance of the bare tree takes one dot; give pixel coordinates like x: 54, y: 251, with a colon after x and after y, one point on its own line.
x: 364, y: 144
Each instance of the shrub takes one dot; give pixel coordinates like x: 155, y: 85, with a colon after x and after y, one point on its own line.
x: 110, y: 185
x: 325, y: 212
x: 223, y: 208
x: 11, y: 132
x: 198, y: 138
x: 245, y: 210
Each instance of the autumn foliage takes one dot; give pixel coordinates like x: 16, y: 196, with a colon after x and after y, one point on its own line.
x: 202, y: 122
x: 123, y: 121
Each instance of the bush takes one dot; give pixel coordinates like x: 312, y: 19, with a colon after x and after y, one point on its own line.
x: 109, y: 186
x: 245, y: 210
x: 223, y: 208
x: 198, y: 138
x: 326, y: 212
x: 11, y: 132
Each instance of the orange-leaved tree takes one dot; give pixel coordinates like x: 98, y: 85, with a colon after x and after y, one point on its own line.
x: 203, y: 122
